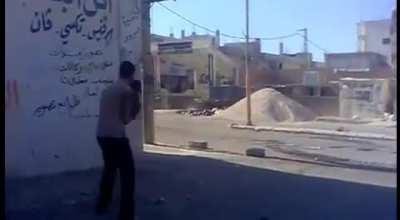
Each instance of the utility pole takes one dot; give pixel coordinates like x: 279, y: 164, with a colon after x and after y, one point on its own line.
x: 148, y: 77
x: 305, y: 44
x: 305, y: 38
x: 246, y: 64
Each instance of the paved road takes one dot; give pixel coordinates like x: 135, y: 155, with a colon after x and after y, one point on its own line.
x: 172, y: 128
x: 201, y: 188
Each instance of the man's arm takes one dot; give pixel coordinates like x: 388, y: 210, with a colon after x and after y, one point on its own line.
x: 125, y: 108
x: 135, y: 104
x: 130, y: 106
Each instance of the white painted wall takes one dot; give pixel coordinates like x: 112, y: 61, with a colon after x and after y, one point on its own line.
x: 365, y: 98
x: 50, y: 124
x: 371, y: 34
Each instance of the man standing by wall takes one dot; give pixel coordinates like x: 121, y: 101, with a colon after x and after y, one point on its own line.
x: 119, y: 104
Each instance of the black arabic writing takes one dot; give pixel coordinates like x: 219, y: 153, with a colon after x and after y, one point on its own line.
x: 79, y: 68
x: 100, y: 33
x: 69, y: 103
x: 42, y: 22
x: 73, y: 80
x: 126, y: 21
x: 103, y: 81
x: 90, y: 7
x: 132, y: 36
x: 80, y: 55
x: 71, y: 67
x: 75, y: 25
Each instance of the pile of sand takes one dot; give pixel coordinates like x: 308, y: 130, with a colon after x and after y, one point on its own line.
x: 268, y: 105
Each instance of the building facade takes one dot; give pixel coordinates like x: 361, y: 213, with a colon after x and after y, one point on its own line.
x: 393, y: 36
x: 374, y: 36
x: 365, y: 98
x: 393, y: 32
x: 192, y: 63
x: 355, y: 62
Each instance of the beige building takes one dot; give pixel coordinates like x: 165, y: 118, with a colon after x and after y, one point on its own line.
x: 191, y: 64
x: 374, y: 36
x: 393, y: 36
x: 393, y: 32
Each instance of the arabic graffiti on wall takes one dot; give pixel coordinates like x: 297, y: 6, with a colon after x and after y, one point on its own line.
x: 41, y: 21
x: 90, y: 20
x: 130, y: 32
x: 89, y: 7
x: 82, y: 34
x: 84, y: 29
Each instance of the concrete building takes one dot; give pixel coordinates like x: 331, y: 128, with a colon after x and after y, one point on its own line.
x: 289, y: 61
x: 355, y: 62
x: 237, y: 48
x: 54, y: 76
x: 194, y: 60
x: 374, y: 36
x: 365, y: 98
x: 393, y: 34
x: 393, y: 37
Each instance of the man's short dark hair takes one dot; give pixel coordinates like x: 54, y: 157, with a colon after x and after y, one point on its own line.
x: 126, y: 70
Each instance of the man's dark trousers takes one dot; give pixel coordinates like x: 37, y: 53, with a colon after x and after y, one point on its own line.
x: 117, y: 155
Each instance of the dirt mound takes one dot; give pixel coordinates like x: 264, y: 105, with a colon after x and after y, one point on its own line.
x: 269, y: 105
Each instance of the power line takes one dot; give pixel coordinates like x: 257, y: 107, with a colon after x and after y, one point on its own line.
x: 279, y: 38
x: 221, y: 33
x: 237, y: 37
x: 184, y: 18
x: 314, y: 44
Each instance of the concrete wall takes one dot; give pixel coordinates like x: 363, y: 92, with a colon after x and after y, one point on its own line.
x: 355, y: 60
x: 394, y: 54
x: 201, y: 41
x: 59, y: 57
x: 238, y: 48
x: 370, y: 36
x: 393, y: 36
x: 322, y: 105
x: 367, y: 98
x: 198, y: 62
x: 289, y: 61
x: 227, y: 93
x: 377, y: 74
x: 326, y: 104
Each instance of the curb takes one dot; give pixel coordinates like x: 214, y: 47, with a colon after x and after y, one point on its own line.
x: 168, y: 110
x: 327, y: 161
x: 314, y: 131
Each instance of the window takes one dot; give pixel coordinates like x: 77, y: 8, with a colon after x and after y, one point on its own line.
x: 362, y: 95
x: 386, y: 41
x: 311, y: 91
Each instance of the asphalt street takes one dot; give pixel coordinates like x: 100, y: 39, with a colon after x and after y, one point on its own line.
x: 178, y: 130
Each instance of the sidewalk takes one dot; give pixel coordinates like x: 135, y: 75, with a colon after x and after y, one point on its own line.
x: 299, y: 167
x: 374, y: 130
x: 368, y: 157
x: 197, y: 187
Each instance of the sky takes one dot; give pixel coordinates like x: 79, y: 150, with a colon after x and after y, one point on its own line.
x: 331, y: 24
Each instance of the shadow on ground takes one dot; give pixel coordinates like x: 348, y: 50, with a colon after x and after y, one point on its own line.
x: 198, y: 189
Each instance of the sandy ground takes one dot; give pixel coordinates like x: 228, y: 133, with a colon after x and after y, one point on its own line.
x: 201, y: 188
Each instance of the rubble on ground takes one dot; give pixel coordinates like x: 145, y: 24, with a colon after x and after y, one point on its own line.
x: 198, y: 112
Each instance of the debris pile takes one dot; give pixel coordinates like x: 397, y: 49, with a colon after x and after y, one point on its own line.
x: 198, y: 112
x: 269, y: 105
